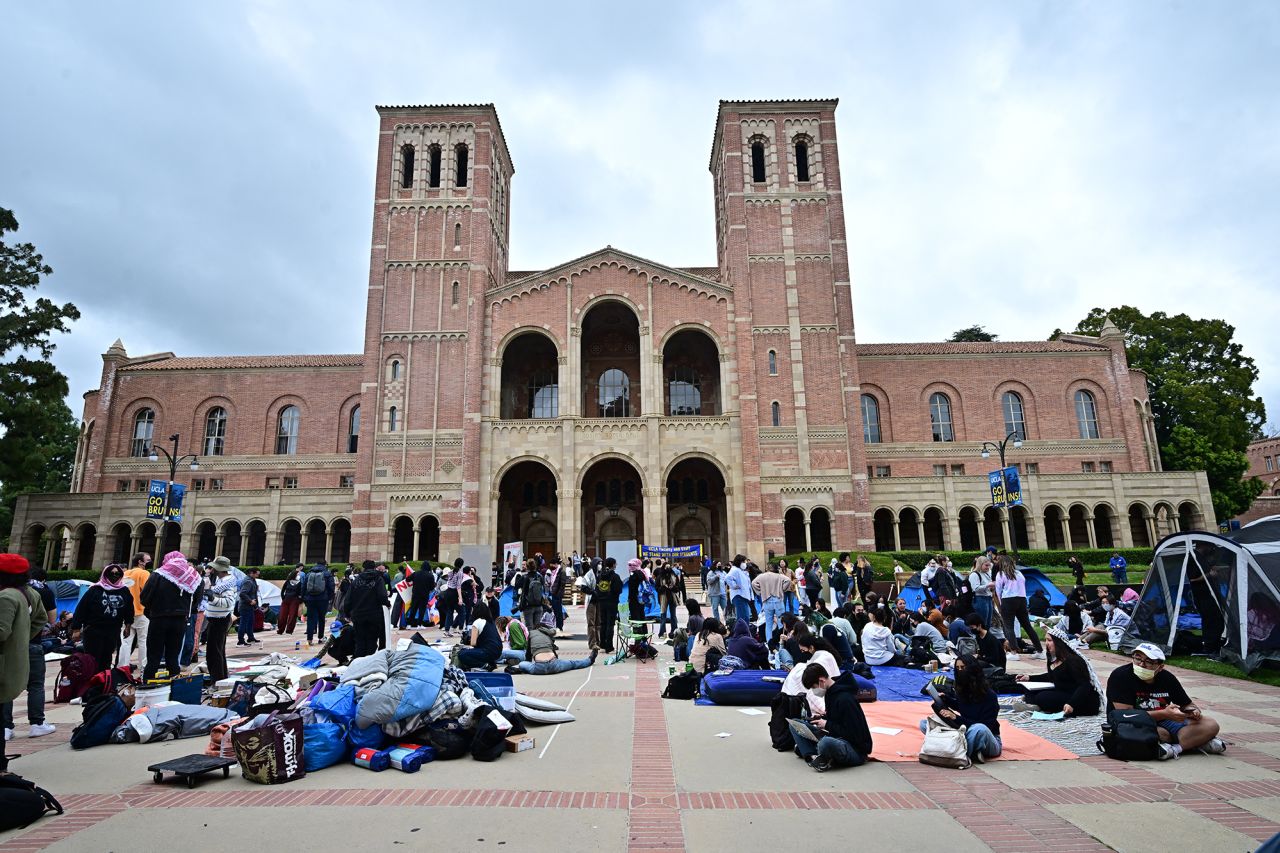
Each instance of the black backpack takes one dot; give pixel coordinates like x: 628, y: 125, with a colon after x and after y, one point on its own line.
x: 1129, y: 734
x: 315, y: 585
x: 100, y: 718
x: 682, y: 685
x: 921, y: 651
x: 22, y: 803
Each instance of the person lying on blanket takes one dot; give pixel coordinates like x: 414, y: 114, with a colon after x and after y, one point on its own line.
x: 1145, y: 683
x: 971, y: 703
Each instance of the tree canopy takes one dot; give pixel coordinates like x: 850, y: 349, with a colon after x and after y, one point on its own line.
x: 37, y: 447
x: 1201, y: 386
x: 972, y: 333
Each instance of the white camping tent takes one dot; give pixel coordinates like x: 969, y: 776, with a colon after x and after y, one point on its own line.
x: 1225, y: 587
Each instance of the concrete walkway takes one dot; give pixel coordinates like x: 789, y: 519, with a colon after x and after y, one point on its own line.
x: 639, y: 773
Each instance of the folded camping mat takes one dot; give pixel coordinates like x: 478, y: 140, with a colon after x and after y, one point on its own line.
x: 1018, y: 744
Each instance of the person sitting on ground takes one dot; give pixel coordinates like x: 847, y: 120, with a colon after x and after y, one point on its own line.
x: 879, y: 648
x: 901, y: 621
x: 811, y: 644
x: 514, y: 639
x: 1100, y: 593
x: 1038, y: 604
x: 990, y: 647
x: 544, y: 658
x: 710, y: 637
x: 840, y: 620
x: 694, y: 625
x: 972, y: 704
x: 1072, y: 614
x: 1145, y: 683
x: 931, y: 627
x: 793, y: 684
x: 871, y: 601
x: 858, y: 617
x: 483, y: 647
x: 1076, y: 691
x: 819, y: 615
x: 1111, y: 617
x: 843, y: 738
x: 747, y: 648
x: 956, y: 629
x: 789, y: 653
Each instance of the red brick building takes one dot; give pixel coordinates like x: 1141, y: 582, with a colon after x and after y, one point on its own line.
x: 614, y: 397
x: 1264, y: 463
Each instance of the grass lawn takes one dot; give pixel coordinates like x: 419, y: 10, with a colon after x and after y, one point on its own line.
x: 1261, y: 675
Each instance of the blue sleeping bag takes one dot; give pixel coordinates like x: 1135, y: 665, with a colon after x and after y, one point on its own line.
x: 749, y: 687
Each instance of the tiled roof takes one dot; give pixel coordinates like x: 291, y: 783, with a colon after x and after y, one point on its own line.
x: 976, y: 347
x: 712, y: 273
x: 232, y: 362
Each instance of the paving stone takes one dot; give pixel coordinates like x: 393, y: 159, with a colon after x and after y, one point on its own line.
x: 1153, y: 828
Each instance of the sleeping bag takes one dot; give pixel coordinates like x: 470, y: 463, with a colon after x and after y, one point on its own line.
x: 392, y: 685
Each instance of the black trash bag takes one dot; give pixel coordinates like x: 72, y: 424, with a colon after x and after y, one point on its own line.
x: 449, y: 739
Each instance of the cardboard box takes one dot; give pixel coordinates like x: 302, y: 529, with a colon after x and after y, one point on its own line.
x: 520, y: 743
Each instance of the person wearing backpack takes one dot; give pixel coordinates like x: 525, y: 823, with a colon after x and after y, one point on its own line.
x: 533, y: 596
x: 606, y: 592
x: 169, y: 600
x: 667, y: 582
x: 317, y: 593
x: 22, y: 618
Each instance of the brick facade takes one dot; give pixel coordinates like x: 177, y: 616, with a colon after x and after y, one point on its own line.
x: 614, y: 397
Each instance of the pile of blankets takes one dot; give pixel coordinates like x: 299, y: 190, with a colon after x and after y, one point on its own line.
x: 403, y: 691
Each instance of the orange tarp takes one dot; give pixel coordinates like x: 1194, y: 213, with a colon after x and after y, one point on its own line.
x: 1019, y: 745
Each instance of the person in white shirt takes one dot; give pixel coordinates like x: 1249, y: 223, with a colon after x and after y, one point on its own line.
x: 1115, y: 618
x: 879, y: 648
x: 739, y: 586
x: 982, y: 584
x: 1011, y: 592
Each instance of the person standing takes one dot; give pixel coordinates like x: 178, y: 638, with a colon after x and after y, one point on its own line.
x: 532, y: 595
x: 168, y: 600
x: 1077, y: 570
x: 1011, y: 590
x: 423, y: 583
x: 606, y: 593
x: 219, y: 601
x: 738, y: 585
x: 104, y: 615
x: 317, y: 593
x: 1119, y: 569
x: 556, y: 585
x: 23, y: 615
x: 364, y: 605
x: 290, y: 601
x: 714, y: 584
x: 135, y: 578
x: 813, y: 582
x: 772, y: 587
x: 981, y: 584
x: 865, y: 575
x: 248, y: 608
x: 665, y: 579
x: 838, y: 579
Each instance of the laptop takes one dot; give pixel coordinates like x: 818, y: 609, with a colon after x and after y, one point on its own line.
x: 803, y: 729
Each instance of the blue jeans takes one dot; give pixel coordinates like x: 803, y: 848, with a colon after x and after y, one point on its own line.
x: 35, y: 690
x: 789, y: 603
x: 1120, y: 575
x: 667, y: 604
x: 772, y: 610
x: 742, y: 608
x: 552, y: 667
x: 717, y: 603
x: 978, y: 738
x: 316, y: 611
x: 244, y: 627
x: 511, y: 656
x: 469, y: 658
x: 983, y: 605
x: 839, y: 596
x: 785, y: 660
x: 834, y: 749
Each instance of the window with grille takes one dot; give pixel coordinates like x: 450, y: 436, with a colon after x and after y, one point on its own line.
x: 544, y: 395
x: 775, y: 411
x: 287, y: 431
x: 685, y: 391
x: 215, y: 431
x: 1014, y: 422
x: 460, y: 154
x: 870, y: 419
x: 406, y: 167
x: 757, y: 163
x: 1086, y: 414
x: 144, y: 424
x: 353, y: 430
x: 802, y: 160
x: 614, y: 394
x: 773, y: 363
x: 433, y: 167
x: 940, y: 417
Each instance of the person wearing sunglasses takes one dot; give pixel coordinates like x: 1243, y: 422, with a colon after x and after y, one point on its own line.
x: 1145, y: 683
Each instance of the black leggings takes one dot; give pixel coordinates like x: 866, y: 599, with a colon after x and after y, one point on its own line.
x: 1051, y: 702
x: 367, y: 635
x: 1015, y: 608
x: 102, y: 641
x: 164, y: 637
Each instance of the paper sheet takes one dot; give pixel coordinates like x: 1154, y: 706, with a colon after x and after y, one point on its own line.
x: 1038, y: 685
x: 884, y: 730
x: 1041, y: 715
x: 751, y: 712
x: 724, y: 734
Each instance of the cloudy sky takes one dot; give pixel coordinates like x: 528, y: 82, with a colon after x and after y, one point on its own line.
x: 200, y: 175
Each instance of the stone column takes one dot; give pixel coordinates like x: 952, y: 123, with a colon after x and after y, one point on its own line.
x: 328, y: 543
x: 269, y: 553
x: 920, y: 533
x: 135, y: 543
x: 244, y: 548
x: 302, y: 547
x: 808, y: 538
x: 1065, y: 522
x: 897, y: 534
x: 218, y: 539
x: 1150, y: 521
x: 417, y: 536
x: 982, y: 532
x: 72, y: 552
x: 1093, y: 534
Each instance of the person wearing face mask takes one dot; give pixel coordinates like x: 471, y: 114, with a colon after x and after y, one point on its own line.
x: 1145, y: 683
x: 1113, y: 617
x: 842, y: 736
x: 972, y: 704
x: 104, y: 614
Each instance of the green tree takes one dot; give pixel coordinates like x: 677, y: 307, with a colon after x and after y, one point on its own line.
x: 973, y: 333
x: 1202, y: 399
x: 37, y: 447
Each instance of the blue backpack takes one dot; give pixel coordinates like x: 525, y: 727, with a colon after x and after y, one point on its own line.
x: 101, y: 717
x: 648, y: 596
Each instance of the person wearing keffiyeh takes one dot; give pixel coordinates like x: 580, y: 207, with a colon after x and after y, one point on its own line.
x: 168, y: 602
x: 103, y: 612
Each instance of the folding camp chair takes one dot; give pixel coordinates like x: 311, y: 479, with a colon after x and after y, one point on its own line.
x: 634, y: 637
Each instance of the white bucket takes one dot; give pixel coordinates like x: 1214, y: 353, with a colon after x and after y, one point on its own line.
x: 145, y: 696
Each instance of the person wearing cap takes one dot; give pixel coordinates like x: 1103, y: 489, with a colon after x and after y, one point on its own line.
x: 1145, y: 683
x: 22, y: 617
x: 363, y: 607
x: 543, y: 655
x: 220, y: 600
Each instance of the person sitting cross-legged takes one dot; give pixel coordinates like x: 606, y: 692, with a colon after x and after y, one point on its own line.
x: 1145, y: 683
x: 972, y: 704
x: 841, y: 738
x: 543, y: 654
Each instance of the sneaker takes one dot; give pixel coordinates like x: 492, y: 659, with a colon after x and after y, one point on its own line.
x: 512, y: 669
x: 1038, y: 656
x: 820, y: 765
x: 1217, y: 746
x: 1166, y: 752
x: 798, y: 753
x: 8, y: 735
x: 238, y: 643
x: 979, y: 757
x: 595, y: 653
x: 1013, y: 656
x: 42, y: 729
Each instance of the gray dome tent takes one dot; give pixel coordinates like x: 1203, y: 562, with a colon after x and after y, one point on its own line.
x: 1227, y: 587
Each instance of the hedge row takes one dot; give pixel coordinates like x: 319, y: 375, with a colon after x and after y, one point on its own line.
x: 269, y: 573
x: 882, y: 561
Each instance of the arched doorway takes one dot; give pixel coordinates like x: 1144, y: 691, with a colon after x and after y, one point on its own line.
x: 1189, y: 517
x: 121, y: 540
x: 793, y: 530
x: 909, y: 530
x: 612, y: 504
x: 232, y: 539
x: 146, y: 532
x: 428, y: 538
x: 88, y: 541
x: 1078, y: 526
x: 530, y: 378
x: 934, y: 530
x: 969, y: 538
x: 340, y: 540
x: 882, y: 523
x: 697, y: 510
x: 528, y: 509
x: 690, y: 375
x: 34, y: 544
x: 1166, y: 520
x: 172, y: 539
x: 1102, y: 531
x: 290, y: 542
x: 206, y: 540
x: 1138, y: 529
x: 402, y: 539
x: 1053, y: 528
x: 255, y: 553
x: 1018, y: 526
x: 315, y: 542
x: 993, y: 527
x: 820, y: 529
x: 611, y: 362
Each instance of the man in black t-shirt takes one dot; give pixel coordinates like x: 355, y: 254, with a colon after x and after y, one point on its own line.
x: 990, y: 649
x: 1146, y: 684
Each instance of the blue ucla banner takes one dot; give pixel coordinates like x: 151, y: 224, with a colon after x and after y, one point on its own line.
x: 176, y: 493
x: 1006, y: 487
x: 156, y: 501
x: 677, y: 553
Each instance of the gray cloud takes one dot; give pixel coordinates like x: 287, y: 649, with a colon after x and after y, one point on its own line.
x: 200, y: 177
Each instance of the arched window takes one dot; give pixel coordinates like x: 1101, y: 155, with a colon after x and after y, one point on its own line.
x: 353, y: 430
x: 393, y: 419
x: 455, y: 293
x: 406, y: 167
x: 773, y: 362
x: 215, y: 431
x: 433, y: 168
x: 461, y: 154
x: 395, y: 370
x: 757, y: 163
x: 287, y: 431
x: 940, y: 417
x: 144, y: 424
x: 1086, y: 414
x: 457, y: 235
x: 544, y: 396
x: 802, y: 160
x: 685, y: 390
x: 1014, y: 420
x: 775, y: 411
x: 614, y: 394
x: 870, y: 419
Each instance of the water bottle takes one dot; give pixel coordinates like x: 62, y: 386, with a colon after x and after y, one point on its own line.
x: 297, y: 645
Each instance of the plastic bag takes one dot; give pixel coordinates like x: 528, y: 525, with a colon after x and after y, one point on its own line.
x: 323, y: 745
x: 336, y: 705
x: 372, y: 737
x: 270, y: 748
